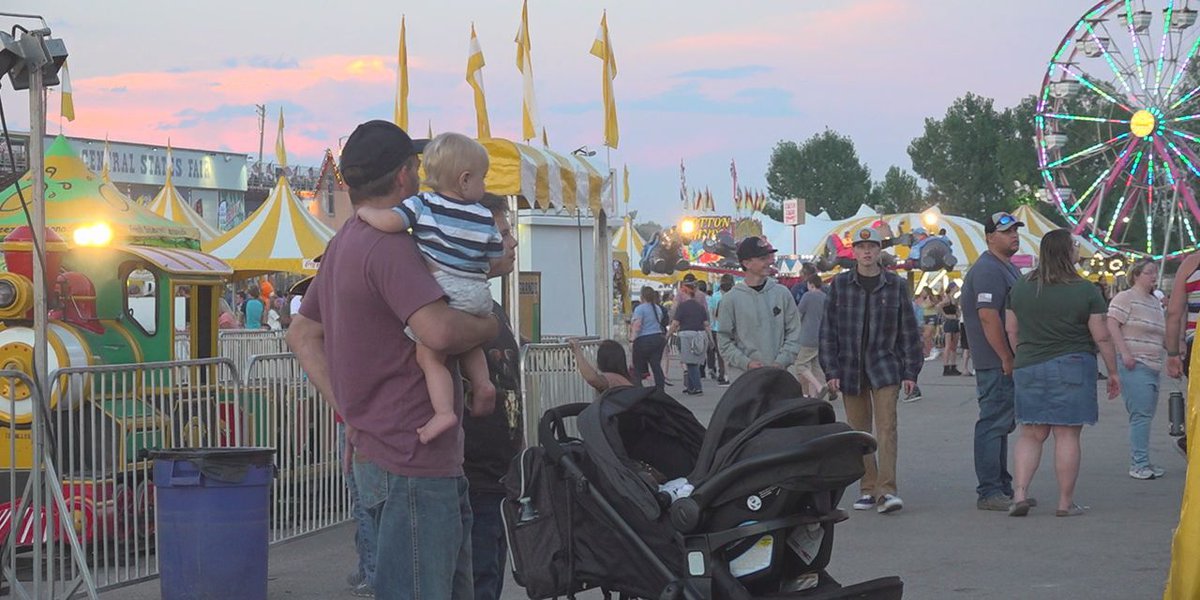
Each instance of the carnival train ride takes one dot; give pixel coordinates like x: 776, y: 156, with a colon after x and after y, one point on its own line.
x: 112, y: 303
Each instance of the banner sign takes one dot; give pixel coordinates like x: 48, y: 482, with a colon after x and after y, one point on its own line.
x: 793, y: 212
x: 711, y: 226
x: 144, y: 164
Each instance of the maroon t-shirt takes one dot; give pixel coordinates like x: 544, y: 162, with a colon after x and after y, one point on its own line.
x: 368, y: 286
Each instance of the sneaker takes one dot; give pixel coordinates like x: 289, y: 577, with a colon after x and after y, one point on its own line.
x: 890, y: 503
x: 722, y: 382
x: 998, y: 502
x: 1158, y: 471
x: 864, y: 503
x: 933, y: 356
x: 970, y: 373
x: 1142, y: 473
x: 363, y: 590
x: 914, y: 396
x: 954, y: 370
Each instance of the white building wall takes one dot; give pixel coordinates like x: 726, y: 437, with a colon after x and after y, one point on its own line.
x: 550, y: 244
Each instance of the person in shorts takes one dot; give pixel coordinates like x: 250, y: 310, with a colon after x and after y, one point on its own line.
x: 807, y: 368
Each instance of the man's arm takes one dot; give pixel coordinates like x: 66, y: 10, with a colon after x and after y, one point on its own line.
x: 306, y: 338
x: 725, y: 336
x: 993, y: 330
x: 791, y: 335
x: 1177, y: 314
x: 450, y: 331
x: 911, y: 349
x: 1012, y: 328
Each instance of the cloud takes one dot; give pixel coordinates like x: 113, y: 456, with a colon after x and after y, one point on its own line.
x: 726, y: 73
x: 261, y: 62
x: 689, y: 98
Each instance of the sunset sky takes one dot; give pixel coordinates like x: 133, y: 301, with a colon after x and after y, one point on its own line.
x: 697, y: 80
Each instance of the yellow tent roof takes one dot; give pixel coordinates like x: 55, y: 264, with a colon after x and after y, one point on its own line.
x: 281, y: 236
x: 627, y: 239
x: 546, y: 179
x: 1037, y: 226
x: 169, y: 204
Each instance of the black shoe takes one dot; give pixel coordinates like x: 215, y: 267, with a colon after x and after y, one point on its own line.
x: 1102, y: 377
x: 946, y: 371
x: 954, y: 370
x: 723, y: 382
x: 1181, y: 445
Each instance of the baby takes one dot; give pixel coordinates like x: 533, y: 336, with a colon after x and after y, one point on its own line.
x: 459, y: 239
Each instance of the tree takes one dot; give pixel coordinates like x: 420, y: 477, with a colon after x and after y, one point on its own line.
x: 975, y: 156
x: 824, y: 170
x: 899, y: 192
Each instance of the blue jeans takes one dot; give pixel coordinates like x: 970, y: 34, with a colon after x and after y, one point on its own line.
x: 364, y: 530
x: 488, y: 545
x: 424, y: 523
x: 691, y: 377
x: 996, y: 421
x: 1139, y: 386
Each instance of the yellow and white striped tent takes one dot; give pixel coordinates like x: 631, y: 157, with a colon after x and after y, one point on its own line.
x: 168, y: 203
x: 1037, y: 226
x: 967, y: 235
x: 627, y: 239
x: 281, y: 236
x: 547, y: 180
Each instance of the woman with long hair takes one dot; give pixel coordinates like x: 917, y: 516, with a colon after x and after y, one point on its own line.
x: 611, y: 369
x: 1139, y: 328
x: 1056, y: 323
x: 648, y: 332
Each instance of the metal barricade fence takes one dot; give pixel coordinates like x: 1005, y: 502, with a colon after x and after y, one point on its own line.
x: 102, y: 420
x: 284, y: 411
x: 237, y: 344
x: 549, y: 378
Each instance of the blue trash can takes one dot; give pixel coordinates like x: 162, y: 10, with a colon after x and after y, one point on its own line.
x: 214, y: 507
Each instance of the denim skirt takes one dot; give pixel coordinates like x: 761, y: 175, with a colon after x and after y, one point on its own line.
x: 1060, y: 391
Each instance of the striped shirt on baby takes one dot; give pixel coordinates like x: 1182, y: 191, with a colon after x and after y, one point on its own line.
x: 460, y: 237
x: 1143, y: 325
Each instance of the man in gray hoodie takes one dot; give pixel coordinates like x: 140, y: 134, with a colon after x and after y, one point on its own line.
x: 758, y: 322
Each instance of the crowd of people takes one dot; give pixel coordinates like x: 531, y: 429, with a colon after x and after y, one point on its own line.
x: 426, y: 456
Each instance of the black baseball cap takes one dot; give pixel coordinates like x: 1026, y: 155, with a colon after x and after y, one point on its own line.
x: 1000, y: 221
x: 753, y: 247
x: 374, y: 150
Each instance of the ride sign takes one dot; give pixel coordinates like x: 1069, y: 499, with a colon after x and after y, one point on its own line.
x: 792, y: 211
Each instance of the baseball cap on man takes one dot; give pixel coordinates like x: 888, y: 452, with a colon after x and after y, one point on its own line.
x: 1001, y: 221
x: 866, y: 234
x: 753, y: 247
x: 374, y: 150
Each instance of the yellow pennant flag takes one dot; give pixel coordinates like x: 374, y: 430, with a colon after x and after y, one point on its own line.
x: 104, y: 166
x: 401, y: 116
x: 525, y: 66
x: 280, y: 149
x: 475, y: 78
x: 545, y: 140
x: 430, y: 132
x: 626, y: 184
x: 67, y: 110
x: 602, y: 49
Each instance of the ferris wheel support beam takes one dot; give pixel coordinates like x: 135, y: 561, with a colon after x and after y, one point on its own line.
x: 1116, y: 171
x: 1178, y: 174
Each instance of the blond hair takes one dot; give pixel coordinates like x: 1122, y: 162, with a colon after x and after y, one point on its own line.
x: 448, y: 156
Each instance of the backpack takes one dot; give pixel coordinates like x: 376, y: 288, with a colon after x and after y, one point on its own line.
x: 537, y: 513
x: 664, y: 319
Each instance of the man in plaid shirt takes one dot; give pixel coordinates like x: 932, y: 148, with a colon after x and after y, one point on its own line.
x: 870, y: 347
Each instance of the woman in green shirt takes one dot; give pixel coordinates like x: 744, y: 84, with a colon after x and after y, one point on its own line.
x: 1056, y: 323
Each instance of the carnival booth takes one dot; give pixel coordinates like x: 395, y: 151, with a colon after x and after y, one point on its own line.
x: 170, y: 205
x: 281, y: 236
x: 1036, y: 227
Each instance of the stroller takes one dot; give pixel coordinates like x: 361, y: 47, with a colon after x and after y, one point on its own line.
x: 765, y: 479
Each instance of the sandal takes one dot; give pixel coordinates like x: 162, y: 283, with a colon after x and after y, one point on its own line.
x: 1019, y: 509
x: 1074, y: 510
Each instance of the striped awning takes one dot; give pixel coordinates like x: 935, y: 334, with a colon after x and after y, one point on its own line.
x: 168, y: 203
x: 281, y: 236
x: 547, y: 180
x: 1038, y: 225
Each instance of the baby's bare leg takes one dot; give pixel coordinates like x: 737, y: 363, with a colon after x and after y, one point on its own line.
x: 483, y: 392
x: 440, y: 383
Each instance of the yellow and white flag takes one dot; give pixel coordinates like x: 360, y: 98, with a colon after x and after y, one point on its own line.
x: 602, y: 49
x: 170, y: 163
x: 401, y: 116
x: 280, y: 149
x: 475, y: 78
x: 626, y: 184
x: 525, y: 66
x: 67, y: 110
x: 104, y: 166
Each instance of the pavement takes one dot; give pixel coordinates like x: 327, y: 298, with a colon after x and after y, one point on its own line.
x: 940, y: 544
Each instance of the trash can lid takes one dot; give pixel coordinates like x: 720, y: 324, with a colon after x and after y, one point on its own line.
x: 245, y: 455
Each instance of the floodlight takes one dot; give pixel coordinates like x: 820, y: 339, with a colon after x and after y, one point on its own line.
x: 45, y: 52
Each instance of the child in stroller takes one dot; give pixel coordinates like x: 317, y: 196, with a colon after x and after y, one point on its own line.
x: 747, y: 510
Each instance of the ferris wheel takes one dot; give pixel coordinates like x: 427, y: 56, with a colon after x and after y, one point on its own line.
x: 1118, y: 127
